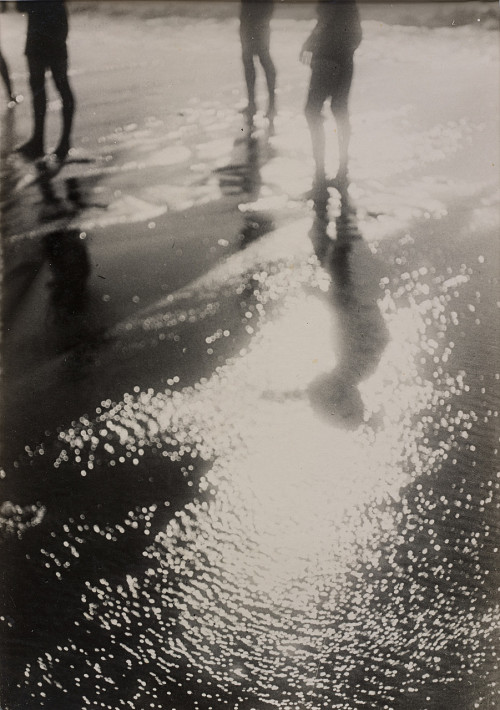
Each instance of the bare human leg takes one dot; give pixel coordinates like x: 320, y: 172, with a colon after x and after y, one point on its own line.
x: 59, y: 71
x: 340, y: 109
x: 270, y: 74
x: 315, y: 123
x: 249, y: 71
x: 4, y: 71
x: 34, y: 148
x: 341, y: 115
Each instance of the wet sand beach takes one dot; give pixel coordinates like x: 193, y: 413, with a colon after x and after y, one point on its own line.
x: 249, y: 446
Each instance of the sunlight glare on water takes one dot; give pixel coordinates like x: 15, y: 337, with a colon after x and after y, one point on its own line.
x: 289, y: 560
x: 260, y: 565
x: 311, y: 520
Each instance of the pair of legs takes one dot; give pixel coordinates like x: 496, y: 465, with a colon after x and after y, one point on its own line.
x: 58, y: 65
x: 255, y: 42
x: 4, y: 70
x: 330, y: 79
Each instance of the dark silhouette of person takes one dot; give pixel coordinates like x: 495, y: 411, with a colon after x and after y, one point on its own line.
x: 46, y: 49
x: 330, y: 51
x: 255, y: 34
x: 359, y: 324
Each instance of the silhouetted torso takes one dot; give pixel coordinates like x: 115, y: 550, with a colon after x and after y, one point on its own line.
x: 47, y: 24
x: 256, y: 12
x: 338, y: 30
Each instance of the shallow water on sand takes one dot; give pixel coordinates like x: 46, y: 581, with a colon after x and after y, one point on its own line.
x: 293, y: 500
x: 311, y: 546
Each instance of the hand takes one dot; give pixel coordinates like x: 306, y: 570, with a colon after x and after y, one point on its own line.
x: 306, y: 57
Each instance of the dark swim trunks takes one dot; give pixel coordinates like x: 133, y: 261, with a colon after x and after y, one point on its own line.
x: 337, y: 32
x: 332, y: 43
x: 330, y: 79
x: 255, y: 18
x: 47, y: 28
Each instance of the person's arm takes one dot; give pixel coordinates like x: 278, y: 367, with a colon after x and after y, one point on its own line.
x: 309, y: 46
x: 358, y: 32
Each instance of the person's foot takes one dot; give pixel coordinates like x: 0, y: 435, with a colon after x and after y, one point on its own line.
x: 31, y: 150
x: 319, y: 190
x: 340, y: 181
x: 14, y: 100
x: 62, y: 151
x: 51, y: 165
x: 249, y: 111
x: 271, y: 111
x: 271, y: 115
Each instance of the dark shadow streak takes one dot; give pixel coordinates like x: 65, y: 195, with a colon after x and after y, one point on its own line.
x: 66, y: 319
x: 359, y: 326
x: 242, y: 176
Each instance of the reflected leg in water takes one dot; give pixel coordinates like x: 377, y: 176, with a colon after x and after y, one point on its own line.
x: 53, y: 206
x: 74, y: 194
x: 242, y: 174
x: 68, y: 202
x: 359, y: 326
x: 70, y: 265
x: 251, y: 176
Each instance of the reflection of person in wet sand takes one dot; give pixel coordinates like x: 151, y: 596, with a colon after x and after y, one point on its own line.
x: 360, y: 326
x: 255, y: 33
x: 330, y: 50
x: 242, y: 176
x: 70, y: 265
x: 46, y: 49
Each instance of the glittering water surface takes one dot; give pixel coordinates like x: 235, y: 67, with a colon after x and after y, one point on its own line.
x: 300, y: 509
x: 332, y: 546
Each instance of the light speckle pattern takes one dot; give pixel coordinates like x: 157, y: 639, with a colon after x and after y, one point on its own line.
x: 315, y: 499
x: 306, y: 555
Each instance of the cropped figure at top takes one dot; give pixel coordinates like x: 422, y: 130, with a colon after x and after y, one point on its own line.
x: 330, y: 50
x: 46, y: 49
x: 255, y: 34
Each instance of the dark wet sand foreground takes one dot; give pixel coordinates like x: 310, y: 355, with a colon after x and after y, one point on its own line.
x: 249, y: 447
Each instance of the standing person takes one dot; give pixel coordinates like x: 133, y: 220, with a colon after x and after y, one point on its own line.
x: 46, y: 49
x: 255, y: 34
x: 330, y: 51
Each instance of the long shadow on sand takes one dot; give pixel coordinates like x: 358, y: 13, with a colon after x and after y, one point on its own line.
x: 358, y: 323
